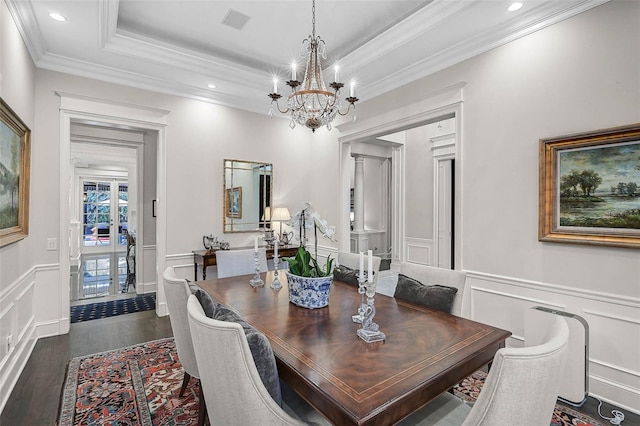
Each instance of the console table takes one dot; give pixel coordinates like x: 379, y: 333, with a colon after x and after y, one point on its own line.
x: 208, y: 257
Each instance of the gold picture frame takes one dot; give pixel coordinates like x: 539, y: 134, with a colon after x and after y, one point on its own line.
x: 15, y: 156
x: 589, y: 188
x: 233, y: 202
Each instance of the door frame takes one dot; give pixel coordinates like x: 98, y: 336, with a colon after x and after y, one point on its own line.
x: 79, y: 108
x: 430, y: 107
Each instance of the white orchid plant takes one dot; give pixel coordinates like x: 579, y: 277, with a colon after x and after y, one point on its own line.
x: 303, y: 264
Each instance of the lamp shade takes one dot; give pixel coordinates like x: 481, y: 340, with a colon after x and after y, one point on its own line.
x: 281, y: 214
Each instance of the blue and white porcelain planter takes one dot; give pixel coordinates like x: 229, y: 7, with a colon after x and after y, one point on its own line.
x: 308, y: 292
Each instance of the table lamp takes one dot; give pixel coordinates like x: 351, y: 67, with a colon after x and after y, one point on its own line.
x: 281, y: 214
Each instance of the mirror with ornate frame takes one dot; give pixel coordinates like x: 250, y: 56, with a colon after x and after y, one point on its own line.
x: 246, y: 195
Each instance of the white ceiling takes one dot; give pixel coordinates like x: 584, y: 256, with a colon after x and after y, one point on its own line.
x: 181, y: 46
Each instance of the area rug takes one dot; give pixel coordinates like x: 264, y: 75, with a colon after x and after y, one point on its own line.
x: 138, y: 385
x: 110, y: 308
x: 470, y: 388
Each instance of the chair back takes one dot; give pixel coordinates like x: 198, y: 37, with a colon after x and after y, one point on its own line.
x: 231, y: 263
x: 430, y: 275
x: 177, y: 291
x: 523, y: 383
x: 352, y: 260
x: 233, y: 390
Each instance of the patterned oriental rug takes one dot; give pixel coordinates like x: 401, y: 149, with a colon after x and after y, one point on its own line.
x: 110, y: 308
x: 139, y: 385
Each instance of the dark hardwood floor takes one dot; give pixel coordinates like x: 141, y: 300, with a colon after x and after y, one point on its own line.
x: 35, y: 398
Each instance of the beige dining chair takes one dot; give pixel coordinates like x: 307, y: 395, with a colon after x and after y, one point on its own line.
x: 352, y: 261
x: 429, y: 275
x: 235, y: 394
x: 231, y: 263
x: 177, y: 291
x: 520, y: 389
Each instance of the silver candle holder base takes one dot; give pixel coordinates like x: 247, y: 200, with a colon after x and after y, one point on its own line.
x: 370, y: 331
x: 256, y: 281
x: 276, y: 284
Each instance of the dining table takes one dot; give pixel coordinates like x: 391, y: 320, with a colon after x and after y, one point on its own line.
x: 349, y: 381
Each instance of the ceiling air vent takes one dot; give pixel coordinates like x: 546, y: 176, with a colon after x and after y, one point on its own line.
x: 235, y: 19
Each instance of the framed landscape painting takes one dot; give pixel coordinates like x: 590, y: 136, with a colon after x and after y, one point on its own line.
x: 590, y: 188
x: 14, y: 176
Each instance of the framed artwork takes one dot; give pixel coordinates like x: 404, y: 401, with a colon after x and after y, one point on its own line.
x: 15, y: 151
x: 234, y: 202
x: 590, y: 188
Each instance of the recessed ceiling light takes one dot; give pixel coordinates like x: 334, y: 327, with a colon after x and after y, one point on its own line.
x: 514, y: 6
x: 211, y: 86
x: 57, y: 17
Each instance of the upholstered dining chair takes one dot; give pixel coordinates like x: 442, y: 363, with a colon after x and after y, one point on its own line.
x: 352, y: 261
x: 520, y: 389
x: 235, y: 394
x: 429, y: 275
x: 177, y: 291
x: 231, y: 263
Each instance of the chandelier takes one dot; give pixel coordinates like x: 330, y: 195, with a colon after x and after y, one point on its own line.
x: 310, y: 103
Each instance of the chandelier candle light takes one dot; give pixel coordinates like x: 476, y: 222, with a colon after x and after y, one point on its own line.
x: 310, y: 103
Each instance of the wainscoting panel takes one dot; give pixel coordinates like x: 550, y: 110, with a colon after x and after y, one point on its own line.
x: 17, y: 331
x: 614, y: 326
x: 147, y: 281
x: 418, y: 250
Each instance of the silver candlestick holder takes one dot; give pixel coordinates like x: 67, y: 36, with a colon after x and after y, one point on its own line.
x: 276, y: 284
x: 370, y: 331
x: 256, y: 281
x: 361, y: 289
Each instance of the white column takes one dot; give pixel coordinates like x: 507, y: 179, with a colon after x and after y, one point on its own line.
x: 358, y: 221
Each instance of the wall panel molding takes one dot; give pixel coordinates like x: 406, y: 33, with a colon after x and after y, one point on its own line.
x: 632, y: 302
x: 418, y: 250
x: 613, y: 372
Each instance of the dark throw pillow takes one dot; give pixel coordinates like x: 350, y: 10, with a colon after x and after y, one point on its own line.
x: 209, y: 306
x: 438, y: 297
x: 260, y: 350
x: 192, y: 286
x: 347, y: 275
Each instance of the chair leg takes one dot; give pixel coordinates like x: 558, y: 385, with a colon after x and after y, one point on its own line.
x: 185, y: 382
x: 202, y: 407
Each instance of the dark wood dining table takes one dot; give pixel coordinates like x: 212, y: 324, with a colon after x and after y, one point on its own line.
x: 351, y: 382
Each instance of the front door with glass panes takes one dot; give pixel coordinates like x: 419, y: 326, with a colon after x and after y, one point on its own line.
x: 105, y: 269
x: 104, y: 215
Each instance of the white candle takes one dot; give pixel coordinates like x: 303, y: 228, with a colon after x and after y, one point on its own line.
x: 275, y: 85
x: 275, y: 248
x: 370, y: 266
x: 293, y: 71
x: 353, y: 89
x: 336, y: 68
x: 361, y: 265
x: 255, y: 244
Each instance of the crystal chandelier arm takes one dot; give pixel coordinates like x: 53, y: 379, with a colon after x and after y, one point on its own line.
x: 352, y: 102
x: 274, y: 100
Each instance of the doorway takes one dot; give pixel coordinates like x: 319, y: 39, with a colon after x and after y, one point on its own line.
x: 105, y: 188
x: 421, y: 189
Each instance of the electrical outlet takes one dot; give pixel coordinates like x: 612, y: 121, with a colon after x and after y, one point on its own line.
x: 9, y: 342
x: 52, y: 244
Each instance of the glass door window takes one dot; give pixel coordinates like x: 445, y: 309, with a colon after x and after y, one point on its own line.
x: 105, y: 215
